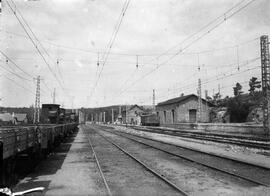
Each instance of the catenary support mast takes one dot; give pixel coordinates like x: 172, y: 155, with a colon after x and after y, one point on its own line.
x: 265, y: 67
x: 37, y: 101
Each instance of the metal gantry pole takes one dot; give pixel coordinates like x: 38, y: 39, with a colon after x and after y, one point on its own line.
x: 199, y: 100
x: 37, y: 102
x: 154, y: 100
x: 265, y: 69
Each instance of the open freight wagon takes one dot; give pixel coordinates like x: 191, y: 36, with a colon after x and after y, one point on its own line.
x: 35, y: 141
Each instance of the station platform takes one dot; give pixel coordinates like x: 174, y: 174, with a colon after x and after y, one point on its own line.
x: 71, y: 170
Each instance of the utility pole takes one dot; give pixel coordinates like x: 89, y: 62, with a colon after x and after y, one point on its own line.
x: 199, y: 91
x: 265, y: 69
x: 54, y: 96
x: 206, y: 94
x: 199, y: 100
x: 219, y: 89
x: 126, y: 114
x: 37, y: 101
x: 120, y: 115
x: 112, y: 117
x: 154, y: 100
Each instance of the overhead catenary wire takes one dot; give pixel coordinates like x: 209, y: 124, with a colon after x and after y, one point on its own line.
x: 34, y: 44
x: 190, y: 44
x: 28, y: 90
x: 15, y: 64
x: 19, y: 76
x: 192, y: 85
x: 110, y: 45
x: 135, y: 54
x: 35, y: 37
x: 211, y: 79
x: 204, y: 27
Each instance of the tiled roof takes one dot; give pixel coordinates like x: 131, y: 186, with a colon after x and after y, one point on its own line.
x: 136, y: 106
x: 179, y: 100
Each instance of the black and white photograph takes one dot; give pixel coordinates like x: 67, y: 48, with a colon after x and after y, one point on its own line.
x: 134, y: 97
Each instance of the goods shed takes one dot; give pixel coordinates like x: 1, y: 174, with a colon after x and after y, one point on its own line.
x: 183, y: 109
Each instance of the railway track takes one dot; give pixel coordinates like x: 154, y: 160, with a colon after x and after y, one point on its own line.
x: 261, y: 143
x: 255, y: 174
x: 176, y: 190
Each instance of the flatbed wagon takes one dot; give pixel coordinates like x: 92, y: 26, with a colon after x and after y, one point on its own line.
x: 37, y: 140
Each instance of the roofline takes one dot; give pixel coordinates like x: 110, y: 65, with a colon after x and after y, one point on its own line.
x: 186, y: 97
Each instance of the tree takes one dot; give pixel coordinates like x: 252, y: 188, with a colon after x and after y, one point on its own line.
x: 237, y: 89
x: 217, y: 98
x: 253, y: 85
x: 238, y: 110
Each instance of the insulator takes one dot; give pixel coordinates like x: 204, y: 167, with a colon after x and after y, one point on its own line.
x: 98, y: 60
x: 137, y: 64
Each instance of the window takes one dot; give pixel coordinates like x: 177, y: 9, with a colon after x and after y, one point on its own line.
x: 164, y: 116
x: 173, y: 114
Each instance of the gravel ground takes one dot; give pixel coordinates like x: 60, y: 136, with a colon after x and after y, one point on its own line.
x: 71, y: 170
x: 195, y: 179
x: 260, y: 157
x: 123, y: 174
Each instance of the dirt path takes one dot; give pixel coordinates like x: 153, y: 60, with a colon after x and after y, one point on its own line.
x: 71, y: 170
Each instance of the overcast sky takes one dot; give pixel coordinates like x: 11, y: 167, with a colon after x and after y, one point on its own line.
x: 75, y: 31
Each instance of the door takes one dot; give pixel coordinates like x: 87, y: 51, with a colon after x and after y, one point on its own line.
x: 192, y: 115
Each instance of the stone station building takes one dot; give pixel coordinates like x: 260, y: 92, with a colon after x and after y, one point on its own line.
x: 183, y: 109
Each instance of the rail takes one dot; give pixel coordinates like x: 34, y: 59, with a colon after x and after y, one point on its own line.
x: 99, y: 168
x: 157, y: 174
x: 256, y: 181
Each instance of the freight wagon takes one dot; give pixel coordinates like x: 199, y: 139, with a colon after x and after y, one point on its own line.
x: 149, y: 120
x: 33, y: 140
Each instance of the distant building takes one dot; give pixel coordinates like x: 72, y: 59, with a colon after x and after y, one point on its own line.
x: 20, y: 118
x: 6, y: 119
x: 133, y: 115
x: 183, y: 109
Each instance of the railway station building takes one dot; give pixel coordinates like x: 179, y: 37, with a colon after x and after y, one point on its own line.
x: 183, y: 109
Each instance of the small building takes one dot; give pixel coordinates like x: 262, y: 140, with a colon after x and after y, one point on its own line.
x: 6, y: 119
x: 133, y: 115
x: 183, y: 109
x: 20, y: 118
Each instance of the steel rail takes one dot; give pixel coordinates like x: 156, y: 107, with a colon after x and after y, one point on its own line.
x: 211, y: 138
x: 197, y: 150
x: 191, y: 159
x: 145, y: 166
x: 99, y: 168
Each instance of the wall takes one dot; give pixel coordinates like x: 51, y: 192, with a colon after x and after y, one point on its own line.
x: 219, y: 127
x: 134, y: 114
x: 182, y: 111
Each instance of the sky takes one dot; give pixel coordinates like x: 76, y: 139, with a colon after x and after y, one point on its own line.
x: 173, y: 42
